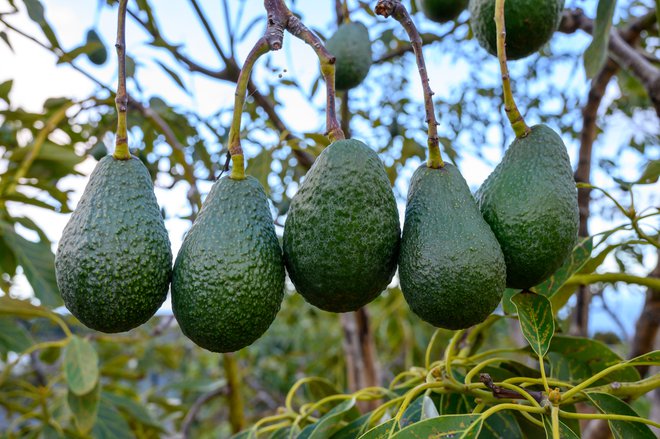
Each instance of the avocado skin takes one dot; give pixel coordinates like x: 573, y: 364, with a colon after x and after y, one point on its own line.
x: 451, y: 266
x: 352, y: 48
x: 529, y: 24
x: 530, y: 202
x: 100, y: 55
x: 228, y: 281
x: 341, y: 236
x: 114, y: 261
x: 442, y: 11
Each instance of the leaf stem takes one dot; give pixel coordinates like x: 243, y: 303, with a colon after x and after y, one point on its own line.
x: 121, y: 99
x: 396, y: 10
x: 555, y: 422
x: 515, y: 117
x: 608, y: 417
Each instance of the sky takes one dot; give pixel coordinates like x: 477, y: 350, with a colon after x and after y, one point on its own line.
x: 37, y: 77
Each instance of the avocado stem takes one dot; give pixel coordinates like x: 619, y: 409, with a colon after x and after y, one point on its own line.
x: 238, y: 170
x: 515, y: 117
x: 121, y: 100
x: 395, y: 9
x: 298, y: 29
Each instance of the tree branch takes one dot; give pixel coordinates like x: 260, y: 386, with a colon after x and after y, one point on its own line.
x: 620, y: 50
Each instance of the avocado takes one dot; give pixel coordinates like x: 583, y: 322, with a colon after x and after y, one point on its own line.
x: 114, y: 262
x: 99, y: 54
x: 341, y: 236
x: 451, y: 266
x: 530, y: 202
x: 442, y: 10
x: 228, y: 281
x: 529, y: 24
x: 98, y: 151
x: 352, y: 48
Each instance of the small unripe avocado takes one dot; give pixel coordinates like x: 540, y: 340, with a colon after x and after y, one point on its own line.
x: 114, y: 261
x: 530, y: 202
x: 529, y: 24
x: 352, y: 48
x: 451, y: 266
x: 442, y: 10
x: 341, y: 237
x: 99, y: 55
x: 228, y: 281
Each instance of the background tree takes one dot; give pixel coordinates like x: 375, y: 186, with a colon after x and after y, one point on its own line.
x: 152, y: 380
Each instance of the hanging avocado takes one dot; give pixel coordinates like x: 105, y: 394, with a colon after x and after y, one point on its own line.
x: 352, y: 48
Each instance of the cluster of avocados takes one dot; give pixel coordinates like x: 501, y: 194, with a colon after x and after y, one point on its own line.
x: 342, y: 239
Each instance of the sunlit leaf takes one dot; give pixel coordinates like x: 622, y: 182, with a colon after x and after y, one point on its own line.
x: 596, y: 53
x: 81, y: 366
x: 447, y: 426
x: 536, y: 320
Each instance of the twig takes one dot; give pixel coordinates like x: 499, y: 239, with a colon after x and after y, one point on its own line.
x: 209, y: 30
x: 396, y: 10
x: 515, y: 117
x: 196, y: 407
x: 502, y: 393
x: 121, y: 99
x: 298, y: 29
x: 624, y: 54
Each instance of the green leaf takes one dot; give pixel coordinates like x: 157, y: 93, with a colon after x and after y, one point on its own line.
x: 133, y: 409
x: 81, y: 366
x: 109, y: 423
x: 447, y: 426
x: 611, y: 405
x: 564, y: 431
x: 5, y: 38
x: 35, y: 10
x: 381, y: 431
x: 554, y: 285
x: 353, y: 429
x: 536, y: 320
x: 85, y: 408
x: 575, y: 359
x: 651, y: 173
x: 501, y: 425
x: 5, y: 89
x: 38, y: 264
x: 13, y: 336
x: 175, y: 76
x: 330, y: 422
x: 596, y: 54
x: 21, y: 308
x: 259, y: 167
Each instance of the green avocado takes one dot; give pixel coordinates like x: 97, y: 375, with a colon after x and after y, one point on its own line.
x: 451, y: 266
x: 99, y: 54
x: 530, y: 202
x: 228, y: 281
x: 442, y: 10
x: 341, y: 236
x: 352, y: 48
x: 114, y: 261
x: 529, y: 24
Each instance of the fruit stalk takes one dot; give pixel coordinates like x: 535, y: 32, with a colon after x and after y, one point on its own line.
x: 395, y: 9
x: 515, y: 117
x: 238, y: 170
x: 298, y: 29
x: 121, y: 100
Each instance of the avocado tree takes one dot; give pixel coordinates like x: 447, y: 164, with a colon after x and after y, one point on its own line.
x: 507, y: 363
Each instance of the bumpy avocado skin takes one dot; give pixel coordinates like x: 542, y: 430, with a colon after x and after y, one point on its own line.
x: 341, y: 237
x: 442, y: 11
x: 529, y: 24
x: 530, y: 202
x: 228, y: 281
x: 99, y: 55
x: 451, y: 266
x: 114, y: 261
x: 352, y: 48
